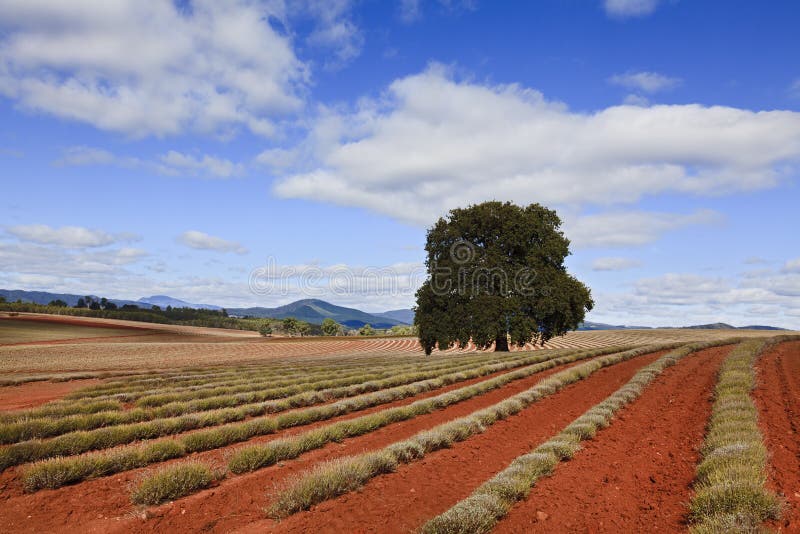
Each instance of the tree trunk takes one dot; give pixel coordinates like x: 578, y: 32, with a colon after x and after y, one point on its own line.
x: 501, y: 343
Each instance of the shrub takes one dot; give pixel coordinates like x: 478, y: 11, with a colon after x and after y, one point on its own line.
x: 172, y: 482
x: 730, y: 493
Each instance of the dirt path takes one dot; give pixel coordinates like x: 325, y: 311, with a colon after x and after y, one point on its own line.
x: 777, y: 396
x: 37, y: 393
x: 103, y: 504
x: 404, y: 500
x: 636, y: 475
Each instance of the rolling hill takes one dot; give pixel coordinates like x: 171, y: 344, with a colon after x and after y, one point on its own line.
x: 314, y: 311
x: 404, y: 316
x: 164, y: 301
x: 45, y: 297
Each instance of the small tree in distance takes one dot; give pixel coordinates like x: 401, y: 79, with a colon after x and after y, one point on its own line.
x: 366, y: 330
x: 496, y: 273
x: 290, y: 325
x: 265, y: 330
x: 331, y: 327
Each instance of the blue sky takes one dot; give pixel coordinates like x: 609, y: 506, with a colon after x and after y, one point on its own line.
x: 202, y: 149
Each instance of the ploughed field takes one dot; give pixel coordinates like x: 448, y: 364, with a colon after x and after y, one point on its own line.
x: 179, y: 431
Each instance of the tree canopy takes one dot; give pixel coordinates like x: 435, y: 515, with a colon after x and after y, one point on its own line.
x: 366, y: 330
x: 496, y: 274
x: 290, y: 325
x: 331, y: 327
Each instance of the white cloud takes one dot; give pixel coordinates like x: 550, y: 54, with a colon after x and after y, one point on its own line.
x: 649, y: 82
x: 333, y: 29
x: 202, y: 241
x: 207, y: 165
x: 629, y: 8
x: 680, y: 288
x: 107, y: 273
x: 172, y: 163
x: 151, y: 68
x: 431, y: 143
x: 66, y: 236
x: 792, y: 266
x: 681, y: 299
x: 393, y: 285
x: 86, y: 155
x: 277, y: 158
x: 636, y: 100
x: 125, y: 256
x: 630, y: 229
x: 614, y: 264
x: 55, y: 267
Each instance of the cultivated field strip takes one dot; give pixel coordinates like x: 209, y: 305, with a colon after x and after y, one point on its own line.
x: 133, y: 388
x: 281, y: 387
x: 57, y: 472
x: 293, y: 369
x: 731, y: 493
x: 252, y: 458
x: 59, y: 408
x: 255, y: 457
x: 490, y: 502
x: 119, y: 356
x: 327, y: 379
x: 335, y: 478
x: 346, y: 415
x: 28, y: 427
x: 777, y: 396
x: 635, y: 474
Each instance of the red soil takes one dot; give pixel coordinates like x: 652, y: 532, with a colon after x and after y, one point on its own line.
x: 636, y: 475
x: 103, y: 505
x: 778, y: 399
x: 404, y: 500
x: 36, y: 393
x: 91, y: 504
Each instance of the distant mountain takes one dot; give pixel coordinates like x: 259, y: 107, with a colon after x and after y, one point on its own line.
x: 314, y: 311
x: 404, y: 316
x: 712, y: 326
x: 726, y: 326
x: 45, y: 297
x: 163, y: 301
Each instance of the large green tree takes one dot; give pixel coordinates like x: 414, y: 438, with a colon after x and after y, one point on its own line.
x: 496, y: 274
